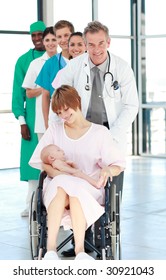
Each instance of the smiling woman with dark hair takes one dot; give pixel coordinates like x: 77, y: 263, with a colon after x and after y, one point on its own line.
x: 71, y: 201
x: 76, y: 44
x: 32, y: 89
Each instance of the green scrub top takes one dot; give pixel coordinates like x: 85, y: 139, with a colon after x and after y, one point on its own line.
x: 24, y: 106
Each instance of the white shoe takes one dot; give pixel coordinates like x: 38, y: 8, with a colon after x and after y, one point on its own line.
x: 25, y: 213
x: 51, y: 255
x: 84, y: 256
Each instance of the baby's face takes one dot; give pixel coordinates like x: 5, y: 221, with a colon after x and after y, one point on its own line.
x: 58, y: 153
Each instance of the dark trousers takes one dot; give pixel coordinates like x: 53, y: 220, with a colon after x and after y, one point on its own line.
x: 117, y: 180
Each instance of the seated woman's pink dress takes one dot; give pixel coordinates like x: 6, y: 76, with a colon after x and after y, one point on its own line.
x: 90, y: 153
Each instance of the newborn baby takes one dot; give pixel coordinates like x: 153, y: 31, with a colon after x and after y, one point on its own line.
x: 54, y: 156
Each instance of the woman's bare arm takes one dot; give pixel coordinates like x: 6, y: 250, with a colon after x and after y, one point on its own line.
x: 86, y: 177
x: 52, y: 172
x: 45, y: 105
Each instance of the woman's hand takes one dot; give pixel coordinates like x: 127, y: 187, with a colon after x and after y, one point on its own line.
x: 104, y: 175
x: 108, y: 171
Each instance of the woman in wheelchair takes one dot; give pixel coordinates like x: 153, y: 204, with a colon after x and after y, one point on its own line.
x: 71, y: 201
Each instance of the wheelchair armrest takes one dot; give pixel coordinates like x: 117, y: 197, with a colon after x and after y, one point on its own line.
x: 42, y: 176
x: 110, y: 200
x: 40, y: 205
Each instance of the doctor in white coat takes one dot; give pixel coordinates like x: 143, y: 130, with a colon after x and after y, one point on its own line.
x: 119, y: 94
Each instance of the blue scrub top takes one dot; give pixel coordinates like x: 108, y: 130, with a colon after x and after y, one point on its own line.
x: 49, y: 71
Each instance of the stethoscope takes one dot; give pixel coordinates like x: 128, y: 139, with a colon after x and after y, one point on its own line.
x: 59, y: 61
x: 114, y: 84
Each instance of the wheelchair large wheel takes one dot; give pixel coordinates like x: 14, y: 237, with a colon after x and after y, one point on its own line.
x: 115, y: 224
x: 107, y: 228
x: 111, y: 226
x: 118, y: 224
x: 33, y: 226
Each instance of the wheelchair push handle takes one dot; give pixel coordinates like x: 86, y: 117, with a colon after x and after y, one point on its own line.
x: 43, y: 175
x: 109, y: 183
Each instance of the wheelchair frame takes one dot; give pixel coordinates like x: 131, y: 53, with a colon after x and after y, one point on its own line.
x: 106, y: 229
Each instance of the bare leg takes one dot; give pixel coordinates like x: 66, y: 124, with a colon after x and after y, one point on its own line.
x: 78, y: 224
x: 55, y: 212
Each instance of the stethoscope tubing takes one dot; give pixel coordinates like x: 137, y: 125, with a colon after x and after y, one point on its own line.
x: 115, y: 84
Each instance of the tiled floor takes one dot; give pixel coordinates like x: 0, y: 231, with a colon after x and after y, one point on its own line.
x: 143, y: 212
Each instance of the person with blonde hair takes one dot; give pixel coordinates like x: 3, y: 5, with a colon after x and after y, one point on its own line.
x: 62, y: 30
x: 32, y: 89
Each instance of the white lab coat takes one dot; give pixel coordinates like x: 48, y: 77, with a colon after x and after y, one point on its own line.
x: 121, y: 105
x: 29, y: 82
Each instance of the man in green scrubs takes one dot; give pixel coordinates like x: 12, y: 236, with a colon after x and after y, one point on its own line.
x: 24, y: 110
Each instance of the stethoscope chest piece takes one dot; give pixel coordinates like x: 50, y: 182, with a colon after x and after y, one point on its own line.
x: 87, y: 87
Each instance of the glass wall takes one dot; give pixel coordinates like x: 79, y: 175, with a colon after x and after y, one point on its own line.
x: 154, y: 14
x: 15, y: 19
x: 77, y: 12
x: 116, y: 15
x: 81, y: 13
x: 17, y: 14
x: 14, y: 46
x: 152, y: 81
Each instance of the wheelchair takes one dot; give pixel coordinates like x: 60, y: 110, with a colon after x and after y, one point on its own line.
x: 106, y: 230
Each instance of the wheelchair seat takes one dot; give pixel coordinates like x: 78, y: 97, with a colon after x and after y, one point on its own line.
x: 107, y: 243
